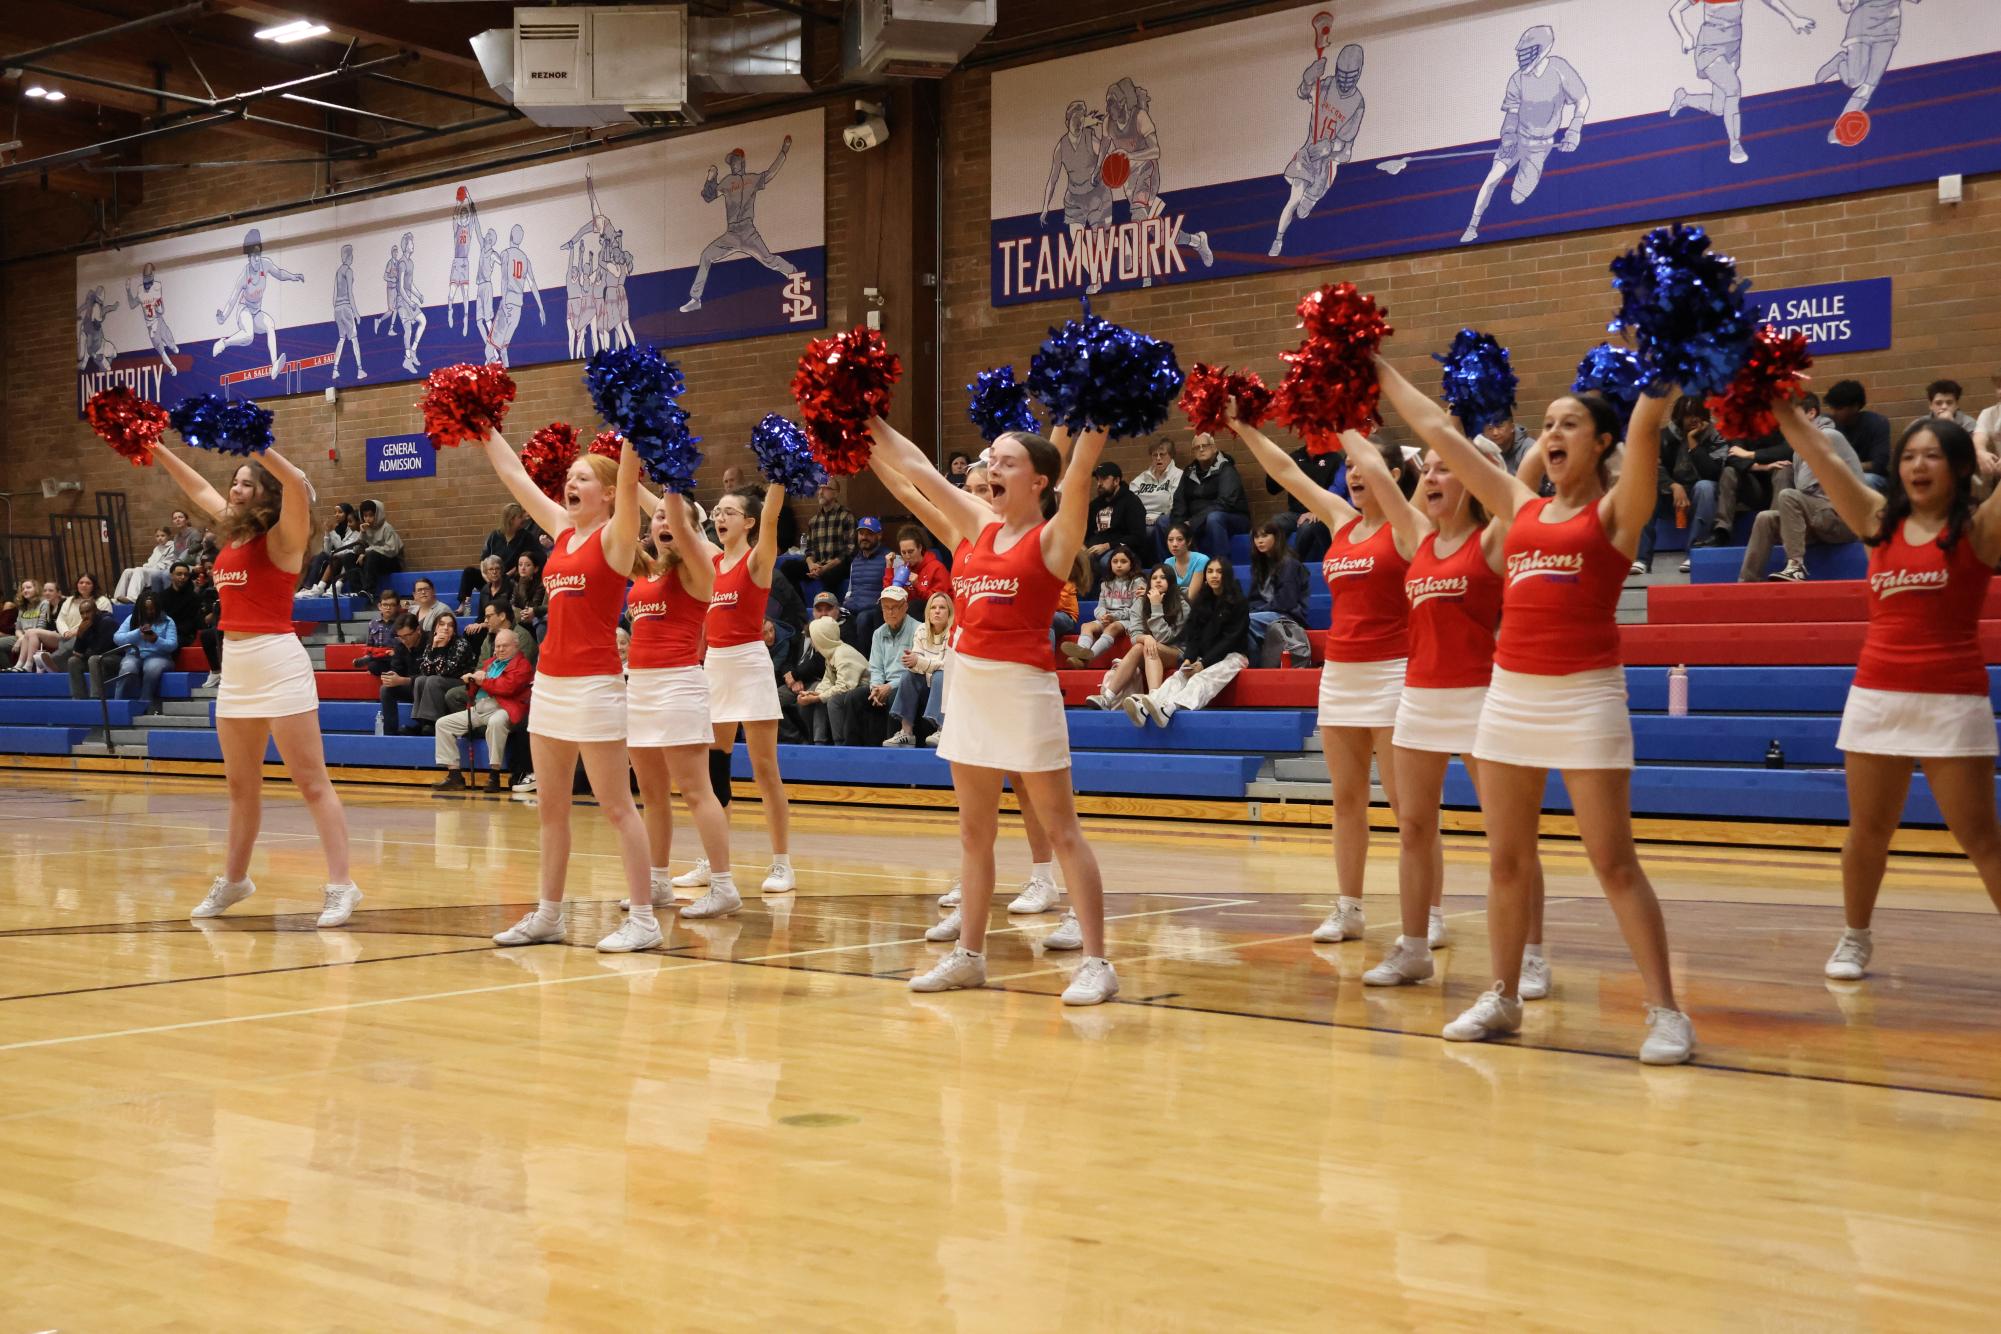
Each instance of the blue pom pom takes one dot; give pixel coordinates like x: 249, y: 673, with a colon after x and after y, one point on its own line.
x: 1685, y: 311
x: 224, y: 425
x: 1479, y: 383
x: 638, y: 392
x: 997, y: 404
x: 1614, y: 373
x: 1092, y: 372
x: 785, y: 457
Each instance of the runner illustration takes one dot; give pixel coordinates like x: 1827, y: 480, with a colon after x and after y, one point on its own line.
x: 489, y: 267
x: 614, y: 328
x: 1874, y: 28
x: 410, y: 303
x: 246, y: 303
x: 517, y: 275
x: 92, y: 347
x: 465, y: 226
x: 1718, y: 46
x: 1331, y: 126
x: 347, y: 321
x: 580, y: 278
x: 151, y: 303
x: 1542, y: 112
x: 1073, y: 165
x: 392, y: 279
x: 739, y: 191
x: 1132, y: 160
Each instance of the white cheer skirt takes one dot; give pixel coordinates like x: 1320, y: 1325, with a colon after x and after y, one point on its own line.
x: 578, y: 708
x: 1578, y: 721
x: 667, y: 706
x: 266, y: 676
x: 1901, y: 722
x: 742, y: 688
x: 1360, y: 694
x: 1441, y: 720
x: 1005, y: 715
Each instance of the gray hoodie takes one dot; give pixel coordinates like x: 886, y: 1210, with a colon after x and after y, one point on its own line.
x: 381, y: 539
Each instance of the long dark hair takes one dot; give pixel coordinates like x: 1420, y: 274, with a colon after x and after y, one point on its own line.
x: 1957, y: 446
x: 1604, y: 422
x: 1134, y: 570
x: 1173, y: 607
x: 147, y: 609
x: 1263, y: 567
x: 1212, y: 603
x: 237, y: 522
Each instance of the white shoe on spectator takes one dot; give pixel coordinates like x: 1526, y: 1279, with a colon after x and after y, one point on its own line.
x: 1672, y: 1040
x: 532, y: 930
x: 1406, y: 962
x: 1155, y: 710
x: 1434, y: 930
x: 934, y: 739
x: 222, y: 896
x: 1794, y: 573
x: 900, y: 739
x: 1037, y: 895
x: 721, y: 901
x: 1068, y: 935
x: 1850, y: 959
x: 957, y: 971
x: 1495, y: 1014
x: 1134, y: 710
x: 631, y: 937
x: 339, y: 906
x: 211, y: 681
x: 1344, y: 923
x: 945, y: 930
x: 1684, y: 566
x: 695, y: 877
x: 1639, y: 568
x: 523, y: 790
x: 950, y: 898
x: 1094, y: 984
x: 1535, y: 977
x: 779, y: 880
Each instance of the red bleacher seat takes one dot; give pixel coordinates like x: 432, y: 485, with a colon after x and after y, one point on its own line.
x: 191, y: 660
x: 347, y: 685
x: 344, y: 657
x: 1771, y: 603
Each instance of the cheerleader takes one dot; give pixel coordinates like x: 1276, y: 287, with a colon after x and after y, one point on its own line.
x: 1558, y: 695
x: 1362, y: 679
x: 1005, y: 711
x: 268, y: 687
x: 1920, y: 695
x: 579, y: 702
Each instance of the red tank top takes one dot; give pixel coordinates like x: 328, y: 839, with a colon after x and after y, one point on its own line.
x: 736, y: 609
x: 959, y: 554
x: 1560, y: 608
x: 256, y: 595
x: 1924, y: 618
x: 667, y: 622
x: 1455, y: 603
x: 1009, y: 598
x: 1371, y: 618
x: 585, y: 598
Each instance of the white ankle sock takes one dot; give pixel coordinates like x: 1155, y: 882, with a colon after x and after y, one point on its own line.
x: 781, y: 861
x: 1347, y: 902
x: 1042, y: 871
x: 1418, y: 945
x: 721, y: 880
x: 549, y: 912
x: 643, y: 912
x: 662, y: 874
x: 1532, y: 951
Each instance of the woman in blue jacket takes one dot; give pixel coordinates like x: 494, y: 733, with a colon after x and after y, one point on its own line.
x: 150, y: 643
x: 1278, y: 597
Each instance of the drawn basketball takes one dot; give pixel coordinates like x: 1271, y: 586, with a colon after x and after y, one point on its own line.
x: 1116, y: 169
x: 1852, y: 128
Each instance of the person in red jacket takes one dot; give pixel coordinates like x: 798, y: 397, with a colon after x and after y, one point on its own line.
x: 497, y: 700
x: 917, y: 568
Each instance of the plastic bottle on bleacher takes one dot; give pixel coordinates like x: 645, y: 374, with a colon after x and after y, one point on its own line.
x: 378, y: 722
x: 1678, y: 692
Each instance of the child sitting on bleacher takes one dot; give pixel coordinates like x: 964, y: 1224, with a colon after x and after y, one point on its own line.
x: 1164, y: 613
x: 1118, y: 612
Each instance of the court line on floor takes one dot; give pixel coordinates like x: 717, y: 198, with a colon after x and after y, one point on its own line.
x: 248, y: 972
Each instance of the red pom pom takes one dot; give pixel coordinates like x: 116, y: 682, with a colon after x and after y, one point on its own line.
x: 608, y: 443
x: 1774, y: 370
x: 128, y: 423
x: 842, y: 382
x: 548, y: 455
x: 1341, y: 314
x: 1206, y: 395
x: 1326, y: 392
x: 465, y: 402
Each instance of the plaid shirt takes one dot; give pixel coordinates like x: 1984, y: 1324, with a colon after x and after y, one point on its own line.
x: 831, y: 535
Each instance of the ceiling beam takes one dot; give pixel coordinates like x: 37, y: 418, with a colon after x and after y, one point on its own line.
x: 198, y: 7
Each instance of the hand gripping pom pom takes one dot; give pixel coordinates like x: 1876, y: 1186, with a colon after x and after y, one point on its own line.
x: 128, y: 423
x: 465, y: 402
x: 608, y: 443
x: 548, y: 455
x: 1093, y: 373
x: 223, y: 425
x: 1613, y: 373
x: 1684, y: 309
x: 1479, y: 383
x: 996, y: 404
x: 842, y: 382
x: 1774, y: 370
x: 1206, y: 398
x: 638, y: 391
x: 785, y: 456
x: 1330, y: 379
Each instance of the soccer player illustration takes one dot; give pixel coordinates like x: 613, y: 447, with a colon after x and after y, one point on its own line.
x: 489, y: 267
x: 1331, y: 126
x: 1874, y: 28
x: 1132, y: 160
x: 1542, y: 112
x: 1074, y: 165
x: 151, y: 303
x: 738, y: 191
x: 347, y: 321
x: 1718, y: 46
x: 92, y: 347
x: 392, y: 278
x: 245, y: 309
x: 409, y: 303
x: 465, y: 226
x: 614, y: 312
x: 517, y: 276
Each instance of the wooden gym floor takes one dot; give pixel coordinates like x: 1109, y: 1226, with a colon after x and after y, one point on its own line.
x: 251, y: 1124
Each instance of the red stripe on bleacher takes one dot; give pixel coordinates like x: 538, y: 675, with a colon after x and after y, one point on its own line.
x: 1772, y: 603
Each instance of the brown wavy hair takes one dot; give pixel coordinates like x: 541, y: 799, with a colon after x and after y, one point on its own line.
x: 239, y: 522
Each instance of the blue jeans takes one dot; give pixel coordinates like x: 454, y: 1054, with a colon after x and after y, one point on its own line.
x: 1663, y: 509
x: 914, y: 699
x: 1211, y: 533
x: 141, y: 677
x: 1061, y: 628
x: 1702, y: 499
x: 1261, y: 621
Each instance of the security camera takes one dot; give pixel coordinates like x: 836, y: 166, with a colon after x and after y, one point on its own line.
x: 869, y: 130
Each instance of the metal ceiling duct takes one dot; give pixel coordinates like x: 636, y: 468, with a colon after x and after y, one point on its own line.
x: 756, y: 50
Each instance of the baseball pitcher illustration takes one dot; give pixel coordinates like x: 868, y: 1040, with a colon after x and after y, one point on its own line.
x: 738, y: 190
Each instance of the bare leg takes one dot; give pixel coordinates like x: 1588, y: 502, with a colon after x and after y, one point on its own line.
x: 1347, y: 751
x: 556, y: 768
x: 1057, y: 801
x: 605, y: 764
x: 649, y: 765
x: 761, y: 739
x: 300, y: 746
x: 978, y: 791
x: 1040, y: 850
x: 1602, y: 799
x: 1473, y: 771
x: 1421, y: 855
x: 1511, y: 798
x: 688, y: 766
x: 1877, y: 786
x: 243, y: 768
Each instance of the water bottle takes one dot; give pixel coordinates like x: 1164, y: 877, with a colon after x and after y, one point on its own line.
x: 1678, y: 692
x: 378, y: 722
x: 1775, y: 755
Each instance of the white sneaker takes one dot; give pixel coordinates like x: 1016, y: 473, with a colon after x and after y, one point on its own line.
x: 950, y: 898
x: 1434, y: 930
x: 1155, y: 710
x: 1848, y: 963
x: 955, y: 972
x: 1400, y: 967
x: 780, y: 880
x: 222, y: 896
x: 211, y: 681
x: 631, y: 937
x: 1068, y: 935
x: 1344, y: 923
x: 695, y: 877
x: 530, y: 931
x: 523, y: 790
x: 1495, y: 1014
x: 945, y: 930
x: 1535, y: 978
x: 663, y: 893
x: 339, y: 906
x: 1037, y: 895
x: 899, y: 739
x: 1672, y: 1040
x: 720, y: 901
x: 1094, y: 984
x: 1134, y: 710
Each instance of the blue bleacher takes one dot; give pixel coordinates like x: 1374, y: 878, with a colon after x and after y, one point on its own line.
x: 66, y: 712
x: 365, y: 751
x: 1720, y: 565
x: 1153, y: 774
x: 40, y: 740
x: 1734, y: 793
x: 1757, y: 689
x: 55, y: 685
x: 1239, y: 730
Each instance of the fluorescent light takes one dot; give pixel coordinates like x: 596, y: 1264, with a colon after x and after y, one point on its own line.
x: 56, y: 95
x: 36, y: 90
x: 298, y: 30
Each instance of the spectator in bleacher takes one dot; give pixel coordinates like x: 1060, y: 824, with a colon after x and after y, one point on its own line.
x: 209, y: 599
x: 1987, y: 432
x: 843, y: 670
x: 496, y: 618
x: 446, y: 657
x: 1117, y: 519
x: 1511, y: 439
x: 801, y: 667
x: 530, y: 598
x: 1118, y: 611
x: 67, y: 620
x: 1700, y: 452
x: 1155, y: 488
x: 398, y: 670
x: 1210, y: 500
x: 917, y: 695
x: 10, y: 615
x: 150, y: 642
x: 1215, y: 644
x: 381, y: 548
x: 1746, y: 484
x: 499, y: 690
x: 1666, y: 491
x: 1154, y: 652
x: 35, y: 624
x: 917, y: 567
x: 1068, y: 609
x: 151, y: 574
x: 424, y: 605
x: 958, y: 464
x: 866, y: 569
x: 1800, y: 513
x: 1308, y: 536
x: 1867, y: 432
x: 380, y: 640
x: 862, y: 713
x: 786, y: 611
x: 1942, y: 404
x: 492, y: 586
x: 94, y: 654
x: 1278, y: 595
x: 1182, y: 560
x: 516, y: 537
x: 182, y: 601
x: 188, y: 540
x: 828, y: 543
x: 339, y: 550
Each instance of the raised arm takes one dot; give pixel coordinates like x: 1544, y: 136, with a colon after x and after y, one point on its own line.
x: 784, y: 149
x: 1408, y: 524
x: 1323, y: 504
x: 1629, y: 508
x: 193, y: 485
x: 966, y: 513
x: 1063, y: 536
x: 621, y: 532
x: 764, y: 556
x: 1859, y: 505
x: 1487, y: 480
x: 925, y: 512
x: 294, y: 529
x: 549, y: 516
x: 698, y: 554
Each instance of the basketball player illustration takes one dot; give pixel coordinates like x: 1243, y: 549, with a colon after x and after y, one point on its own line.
x: 614, y: 312
x: 392, y: 279
x: 347, y: 320
x: 92, y: 347
x: 517, y: 276
x: 409, y: 302
x: 1336, y: 118
x: 1542, y: 112
x: 489, y: 268
x: 580, y: 278
x: 151, y: 303
x: 1073, y: 165
x: 1718, y: 47
x: 1874, y: 28
x: 465, y: 226
x: 739, y: 190
x: 1132, y: 160
x: 246, y: 303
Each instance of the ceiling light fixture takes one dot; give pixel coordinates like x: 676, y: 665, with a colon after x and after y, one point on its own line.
x: 298, y: 30
x: 36, y: 90
x: 56, y: 95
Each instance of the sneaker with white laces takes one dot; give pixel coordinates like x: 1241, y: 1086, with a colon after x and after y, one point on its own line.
x: 1672, y: 1039
x: 632, y: 935
x: 945, y: 930
x: 1068, y: 935
x: 663, y: 893
x: 1093, y: 984
x: 531, y: 930
x: 1495, y: 1014
x: 720, y: 901
x: 955, y: 972
x: 1850, y: 959
x: 1403, y: 965
x: 695, y: 877
x: 523, y: 790
x: 780, y: 880
x: 1535, y: 978
x: 899, y: 739
x: 1434, y: 930
x: 1037, y: 895
x: 950, y: 898
x: 222, y: 896
x: 1344, y: 923
x: 340, y: 902
x: 1134, y: 710
x: 1794, y: 573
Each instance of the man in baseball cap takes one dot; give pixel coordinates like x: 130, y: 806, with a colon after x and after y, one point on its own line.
x: 865, y: 580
